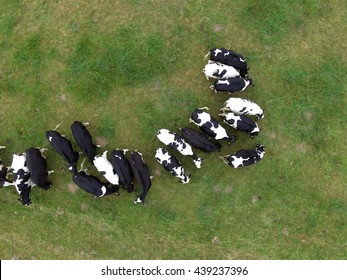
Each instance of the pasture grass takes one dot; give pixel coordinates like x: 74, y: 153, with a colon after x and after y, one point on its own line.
x: 133, y: 67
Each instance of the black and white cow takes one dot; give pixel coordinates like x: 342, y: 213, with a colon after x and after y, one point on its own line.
x: 199, y: 140
x: 243, y: 106
x: 21, y: 176
x: 231, y: 58
x: 245, y: 157
x: 37, y: 166
x: 64, y: 148
x: 218, y: 70
x: 93, y: 185
x: 171, y: 164
x: 122, y: 167
x: 177, y: 143
x: 231, y: 85
x: 242, y: 123
x: 210, y: 125
x: 141, y: 174
x: 106, y: 169
x: 84, y: 139
x: 4, y: 182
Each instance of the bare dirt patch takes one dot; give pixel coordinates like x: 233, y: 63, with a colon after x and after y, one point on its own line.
x: 102, y: 141
x: 308, y: 116
x: 302, y: 147
x: 228, y: 190
x: 272, y: 135
x: 157, y: 172
x: 72, y: 187
x: 217, y: 27
x: 83, y: 207
x: 256, y: 198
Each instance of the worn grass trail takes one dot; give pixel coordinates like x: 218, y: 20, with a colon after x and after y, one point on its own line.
x: 133, y: 67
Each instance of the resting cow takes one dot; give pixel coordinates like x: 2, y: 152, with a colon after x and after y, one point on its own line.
x: 64, y: 148
x: 84, y: 139
x: 177, y: 143
x: 199, y: 140
x: 122, y: 167
x: 245, y: 157
x: 242, y: 123
x: 231, y: 58
x: 171, y: 164
x: 93, y: 185
x: 106, y: 169
x: 37, y: 166
x: 231, y: 85
x: 141, y: 174
x: 219, y: 71
x: 243, y: 106
x: 210, y: 125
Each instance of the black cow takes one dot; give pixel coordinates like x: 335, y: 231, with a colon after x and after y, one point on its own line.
x: 93, y: 185
x: 84, y: 139
x: 231, y: 58
x: 37, y: 166
x: 245, y: 157
x: 242, y: 123
x: 172, y: 165
x: 199, y: 140
x: 141, y: 174
x: 122, y: 167
x: 63, y: 147
x: 231, y: 85
x: 210, y: 125
x: 21, y: 176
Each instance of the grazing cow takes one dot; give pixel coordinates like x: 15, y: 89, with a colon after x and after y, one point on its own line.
x: 141, y: 174
x: 242, y: 123
x: 219, y: 71
x: 93, y: 185
x: 231, y: 85
x: 21, y: 176
x: 37, y: 166
x: 84, y: 139
x: 230, y: 58
x: 210, y: 125
x: 245, y: 157
x: 63, y: 147
x: 243, y: 106
x: 106, y: 169
x: 199, y: 140
x: 171, y: 164
x: 122, y: 167
x: 177, y: 143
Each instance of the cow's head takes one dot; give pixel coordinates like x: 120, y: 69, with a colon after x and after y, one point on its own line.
x: 25, y: 200
x: 260, y: 148
x: 186, y: 179
x: 140, y: 199
x: 260, y: 116
x: 197, y: 162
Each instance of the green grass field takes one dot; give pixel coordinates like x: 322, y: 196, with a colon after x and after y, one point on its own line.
x: 133, y: 67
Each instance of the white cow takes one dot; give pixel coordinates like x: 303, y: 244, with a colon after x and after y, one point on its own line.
x: 105, y: 168
x: 219, y: 71
x: 243, y: 106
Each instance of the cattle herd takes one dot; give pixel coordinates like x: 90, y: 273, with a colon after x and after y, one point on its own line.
x: 230, y: 70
